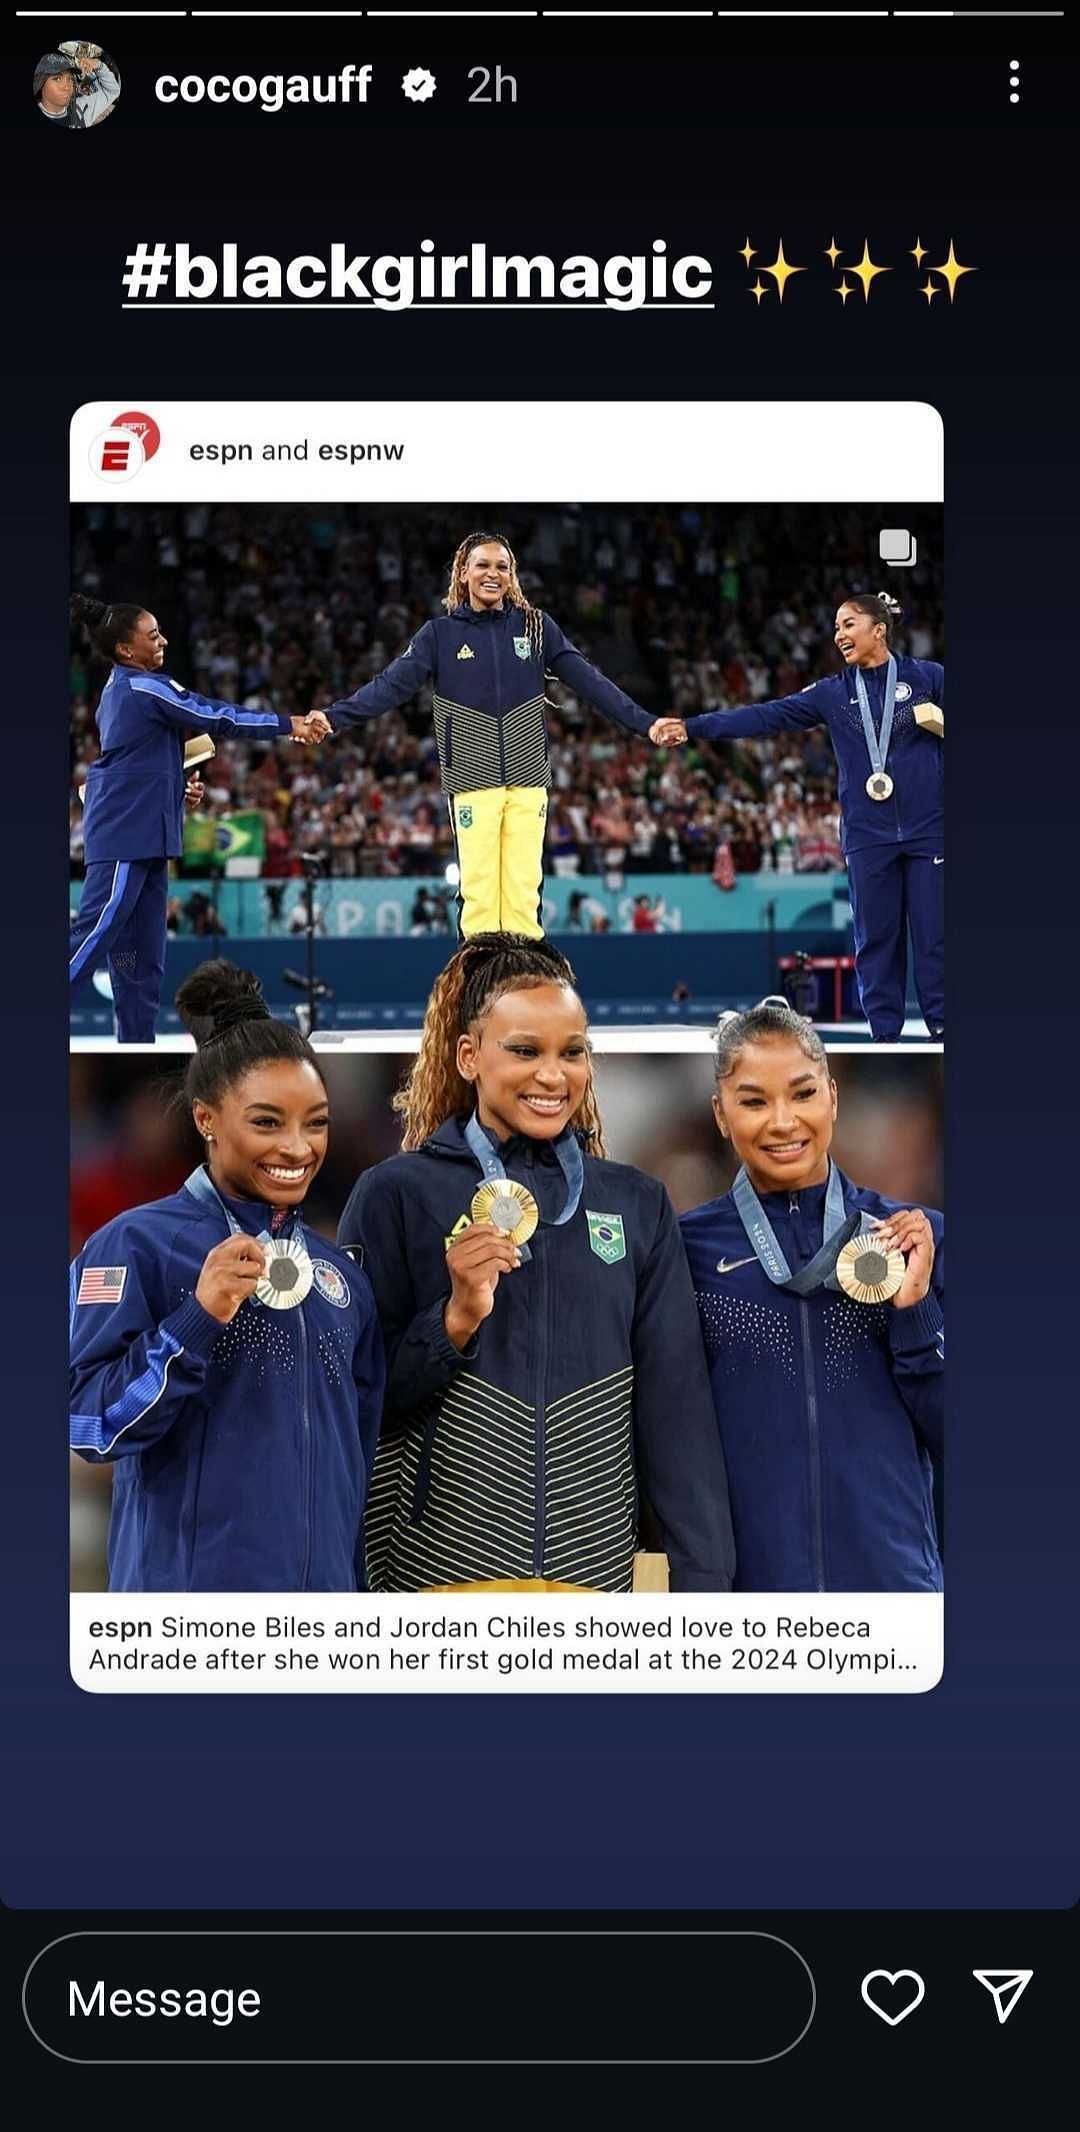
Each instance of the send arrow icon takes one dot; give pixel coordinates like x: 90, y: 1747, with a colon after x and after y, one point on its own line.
x: 1006, y: 1988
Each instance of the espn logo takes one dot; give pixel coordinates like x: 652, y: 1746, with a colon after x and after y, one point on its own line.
x: 117, y: 453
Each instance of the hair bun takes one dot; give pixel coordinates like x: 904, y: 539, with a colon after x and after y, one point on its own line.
x: 234, y: 1011
x: 217, y: 996
x: 86, y: 610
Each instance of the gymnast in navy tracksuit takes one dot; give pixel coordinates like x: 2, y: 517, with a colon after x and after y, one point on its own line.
x: 541, y: 1390
x: 134, y: 807
x: 830, y: 1400
x: 239, y: 1403
x: 894, y: 844
x: 486, y: 659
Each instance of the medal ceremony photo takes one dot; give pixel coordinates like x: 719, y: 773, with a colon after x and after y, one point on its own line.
x: 507, y: 1042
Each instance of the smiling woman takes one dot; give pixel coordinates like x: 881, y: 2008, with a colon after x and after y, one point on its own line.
x: 886, y: 720
x: 486, y: 659
x: 225, y: 1359
x: 536, y: 1308
x: 822, y: 1309
x: 134, y: 801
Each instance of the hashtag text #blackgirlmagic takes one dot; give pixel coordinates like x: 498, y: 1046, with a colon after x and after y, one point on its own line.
x: 395, y: 281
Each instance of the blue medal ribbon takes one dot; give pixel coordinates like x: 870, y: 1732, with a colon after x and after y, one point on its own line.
x: 570, y: 1163
x: 877, y: 744
x: 840, y: 1227
x: 201, y: 1186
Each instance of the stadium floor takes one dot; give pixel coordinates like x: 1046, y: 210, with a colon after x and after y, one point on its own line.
x: 653, y: 1037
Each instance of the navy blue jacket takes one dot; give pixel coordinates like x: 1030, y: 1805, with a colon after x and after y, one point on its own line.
x: 915, y: 814
x: 134, y: 807
x: 830, y: 1410
x: 524, y: 1455
x: 488, y: 688
x: 241, y: 1450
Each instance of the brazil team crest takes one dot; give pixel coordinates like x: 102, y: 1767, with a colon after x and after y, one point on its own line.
x: 464, y: 817
x: 607, y: 1236
x: 331, y: 1284
x: 522, y: 647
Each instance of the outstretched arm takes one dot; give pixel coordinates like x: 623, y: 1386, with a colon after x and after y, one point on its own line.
x: 567, y: 664
x: 396, y: 685
x: 185, y: 709
x: 751, y: 721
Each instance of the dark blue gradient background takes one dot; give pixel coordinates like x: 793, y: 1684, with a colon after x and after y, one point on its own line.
x: 965, y: 1797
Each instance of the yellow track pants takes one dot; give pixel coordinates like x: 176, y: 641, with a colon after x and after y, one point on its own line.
x: 500, y: 845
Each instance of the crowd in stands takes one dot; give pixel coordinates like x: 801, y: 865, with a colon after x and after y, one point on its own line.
x: 688, y: 608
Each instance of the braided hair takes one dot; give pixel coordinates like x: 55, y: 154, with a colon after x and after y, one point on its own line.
x: 108, y: 625
x: 483, y: 968
x: 457, y: 591
x: 234, y: 1030
x: 771, y: 1017
x: 880, y: 606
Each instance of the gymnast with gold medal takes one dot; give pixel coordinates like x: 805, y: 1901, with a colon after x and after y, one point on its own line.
x: 822, y: 1312
x: 536, y: 1309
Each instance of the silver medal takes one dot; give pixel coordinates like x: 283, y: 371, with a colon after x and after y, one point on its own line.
x: 289, y: 1273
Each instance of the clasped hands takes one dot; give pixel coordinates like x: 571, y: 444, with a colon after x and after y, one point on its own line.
x: 667, y: 732
x: 311, y: 728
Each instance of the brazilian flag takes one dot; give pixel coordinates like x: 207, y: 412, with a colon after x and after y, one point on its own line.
x: 217, y: 839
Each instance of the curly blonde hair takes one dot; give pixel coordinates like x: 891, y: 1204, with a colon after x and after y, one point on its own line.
x: 457, y: 591
x: 474, y: 978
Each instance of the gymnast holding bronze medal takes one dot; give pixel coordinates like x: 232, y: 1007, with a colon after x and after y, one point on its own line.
x: 821, y: 1307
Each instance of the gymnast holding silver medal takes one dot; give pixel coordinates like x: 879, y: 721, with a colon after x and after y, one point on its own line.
x: 225, y: 1358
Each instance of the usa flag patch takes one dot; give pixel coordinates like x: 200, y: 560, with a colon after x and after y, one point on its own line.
x: 102, y: 1284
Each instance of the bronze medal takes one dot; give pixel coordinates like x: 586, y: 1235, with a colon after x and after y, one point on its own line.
x: 879, y: 785
x: 509, y: 1206
x: 867, y: 1273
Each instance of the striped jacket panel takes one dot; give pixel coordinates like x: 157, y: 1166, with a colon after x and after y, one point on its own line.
x: 477, y: 750
x: 455, y: 1499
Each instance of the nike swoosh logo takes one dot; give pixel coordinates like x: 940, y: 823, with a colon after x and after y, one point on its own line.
x: 939, y: 862
x: 731, y: 1265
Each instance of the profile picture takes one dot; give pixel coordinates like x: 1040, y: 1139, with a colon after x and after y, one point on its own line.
x: 77, y: 85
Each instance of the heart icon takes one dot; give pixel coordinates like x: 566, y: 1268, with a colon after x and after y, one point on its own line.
x: 893, y: 1993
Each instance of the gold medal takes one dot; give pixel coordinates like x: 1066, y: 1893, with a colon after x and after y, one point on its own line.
x: 931, y: 718
x: 867, y: 1273
x: 288, y: 1277
x: 510, y: 1206
x: 879, y: 785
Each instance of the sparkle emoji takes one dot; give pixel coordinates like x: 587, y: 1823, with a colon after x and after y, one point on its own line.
x: 843, y: 290
x: 866, y: 271
x: 951, y: 271
x: 781, y: 271
x: 748, y: 252
x: 758, y: 290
